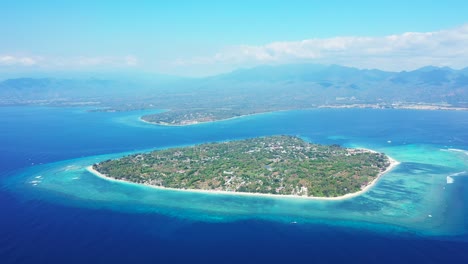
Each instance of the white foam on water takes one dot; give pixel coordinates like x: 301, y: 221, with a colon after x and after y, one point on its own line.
x: 450, y: 180
x: 457, y: 174
x: 458, y: 150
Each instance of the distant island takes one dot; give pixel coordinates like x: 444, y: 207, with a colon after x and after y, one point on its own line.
x: 184, y: 117
x: 275, y: 165
x: 197, y: 116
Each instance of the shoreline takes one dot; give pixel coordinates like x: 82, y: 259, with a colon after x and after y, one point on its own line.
x: 407, y: 107
x: 204, y: 122
x: 393, y: 164
x: 400, y: 107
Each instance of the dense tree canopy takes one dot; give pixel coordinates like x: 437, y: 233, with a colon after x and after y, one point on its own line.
x: 275, y: 165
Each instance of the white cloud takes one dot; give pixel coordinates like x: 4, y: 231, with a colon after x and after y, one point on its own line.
x: 394, y: 52
x: 16, y: 60
x: 131, y: 60
x: 68, y: 62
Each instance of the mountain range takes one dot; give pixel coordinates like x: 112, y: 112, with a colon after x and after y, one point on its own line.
x: 269, y: 87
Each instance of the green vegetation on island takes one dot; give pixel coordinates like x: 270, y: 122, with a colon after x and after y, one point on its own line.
x: 183, y: 117
x: 194, y: 116
x: 283, y: 165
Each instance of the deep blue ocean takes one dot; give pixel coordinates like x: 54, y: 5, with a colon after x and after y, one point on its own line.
x: 40, y: 226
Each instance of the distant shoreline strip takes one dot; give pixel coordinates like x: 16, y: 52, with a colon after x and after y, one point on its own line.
x: 408, y: 107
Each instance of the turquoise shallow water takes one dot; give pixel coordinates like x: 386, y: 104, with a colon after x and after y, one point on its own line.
x: 415, y: 197
x: 415, y: 214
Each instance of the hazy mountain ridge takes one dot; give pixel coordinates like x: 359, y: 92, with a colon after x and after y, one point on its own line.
x: 275, y: 87
x: 339, y: 84
x: 62, y: 91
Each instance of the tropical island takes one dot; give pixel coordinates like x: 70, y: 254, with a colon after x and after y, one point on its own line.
x: 275, y: 165
x: 184, y: 117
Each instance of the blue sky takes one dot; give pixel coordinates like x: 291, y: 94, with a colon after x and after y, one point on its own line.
x: 208, y: 37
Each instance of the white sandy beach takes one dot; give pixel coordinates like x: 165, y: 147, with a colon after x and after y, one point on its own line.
x: 197, y: 122
x: 411, y: 107
x: 218, y: 120
x: 393, y: 164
